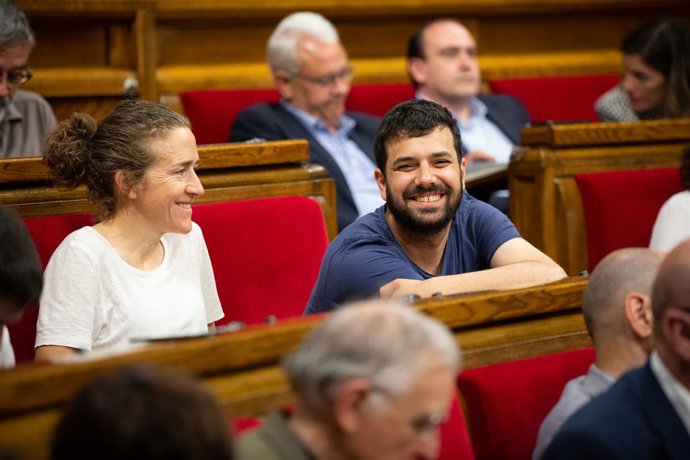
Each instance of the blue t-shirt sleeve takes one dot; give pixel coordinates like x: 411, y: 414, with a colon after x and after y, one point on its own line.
x: 356, y: 271
x: 488, y: 228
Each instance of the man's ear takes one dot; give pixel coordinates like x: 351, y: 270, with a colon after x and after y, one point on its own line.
x: 381, y: 182
x: 124, y: 186
x: 283, y: 83
x: 350, y: 404
x: 416, y: 67
x: 638, y: 313
x: 676, y: 329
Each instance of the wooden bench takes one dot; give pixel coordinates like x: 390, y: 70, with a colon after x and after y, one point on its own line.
x: 545, y: 203
x: 242, y: 369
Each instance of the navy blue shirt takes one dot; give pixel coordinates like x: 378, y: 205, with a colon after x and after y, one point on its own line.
x: 366, y: 255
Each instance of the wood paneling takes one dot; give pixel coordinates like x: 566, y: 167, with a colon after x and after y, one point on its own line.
x: 545, y: 203
x: 177, y: 45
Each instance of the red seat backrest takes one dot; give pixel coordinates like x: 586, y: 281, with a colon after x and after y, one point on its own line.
x: 561, y: 98
x: 266, y: 254
x: 507, y: 402
x: 620, y: 207
x: 378, y: 98
x: 47, y: 233
x: 212, y: 112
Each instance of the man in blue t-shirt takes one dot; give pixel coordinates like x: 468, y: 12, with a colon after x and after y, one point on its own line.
x: 431, y: 236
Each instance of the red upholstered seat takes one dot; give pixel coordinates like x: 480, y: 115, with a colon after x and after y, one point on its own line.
x: 47, y: 233
x: 378, y: 98
x: 212, y: 112
x: 563, y: 98
x: 266, y: 254
x: 507, y: 402
x: 620, y: 207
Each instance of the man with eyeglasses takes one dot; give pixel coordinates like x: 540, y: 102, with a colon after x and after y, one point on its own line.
x: 312, y: 72
x: 646, y: 413
x: 373, y: 381
x: 25, y: 117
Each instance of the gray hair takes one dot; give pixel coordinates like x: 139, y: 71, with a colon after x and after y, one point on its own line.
x: 281, y: 51
x: 619, y: 273
x: 385, y: 343
x: 14, y: 27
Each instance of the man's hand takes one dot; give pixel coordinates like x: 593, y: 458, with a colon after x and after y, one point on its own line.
x: 401, y: 287
x: 479, y: 156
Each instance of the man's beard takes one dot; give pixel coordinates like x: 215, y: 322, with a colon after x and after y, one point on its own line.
x: 415, y: 223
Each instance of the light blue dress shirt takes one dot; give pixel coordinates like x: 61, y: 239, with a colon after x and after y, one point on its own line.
x: 355, y: 165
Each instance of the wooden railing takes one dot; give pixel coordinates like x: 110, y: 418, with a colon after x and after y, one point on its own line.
x: 545, y: 203
x: 242, y: 368
x: 228, y: 172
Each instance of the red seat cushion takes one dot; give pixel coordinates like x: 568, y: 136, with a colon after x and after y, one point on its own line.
x: 620, y: 207
x: 563, y: 98
x: 507, y: 402
x: 47, y: 233
x: 266, y: 254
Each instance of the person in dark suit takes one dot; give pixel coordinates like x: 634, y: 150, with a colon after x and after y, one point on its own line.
x: 312, y: 72
x: 646, y: 414
x: 443, y: 67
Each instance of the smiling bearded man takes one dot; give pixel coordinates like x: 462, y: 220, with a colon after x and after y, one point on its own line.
x: 431, y: 236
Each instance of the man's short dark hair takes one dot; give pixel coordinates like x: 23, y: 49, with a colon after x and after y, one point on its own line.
x: 413, y: 118
x: 21, y: 272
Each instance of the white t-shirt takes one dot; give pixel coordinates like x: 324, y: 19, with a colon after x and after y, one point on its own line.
x: 6, y: 350
x: 672, y: 225
x: 93, y: 300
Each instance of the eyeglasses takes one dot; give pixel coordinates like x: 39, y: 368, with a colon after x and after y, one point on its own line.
x: 427, y: 423
x: 421, y: 425
x: 19, y: 76
x: 329, y: 80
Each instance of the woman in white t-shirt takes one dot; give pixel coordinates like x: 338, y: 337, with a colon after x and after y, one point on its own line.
x: 143, y: 270
x: 672, y: 225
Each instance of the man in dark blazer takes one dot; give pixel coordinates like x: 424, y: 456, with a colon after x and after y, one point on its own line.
x: 646, y: 414
x: 443, y: 67
x: 312, y: 72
